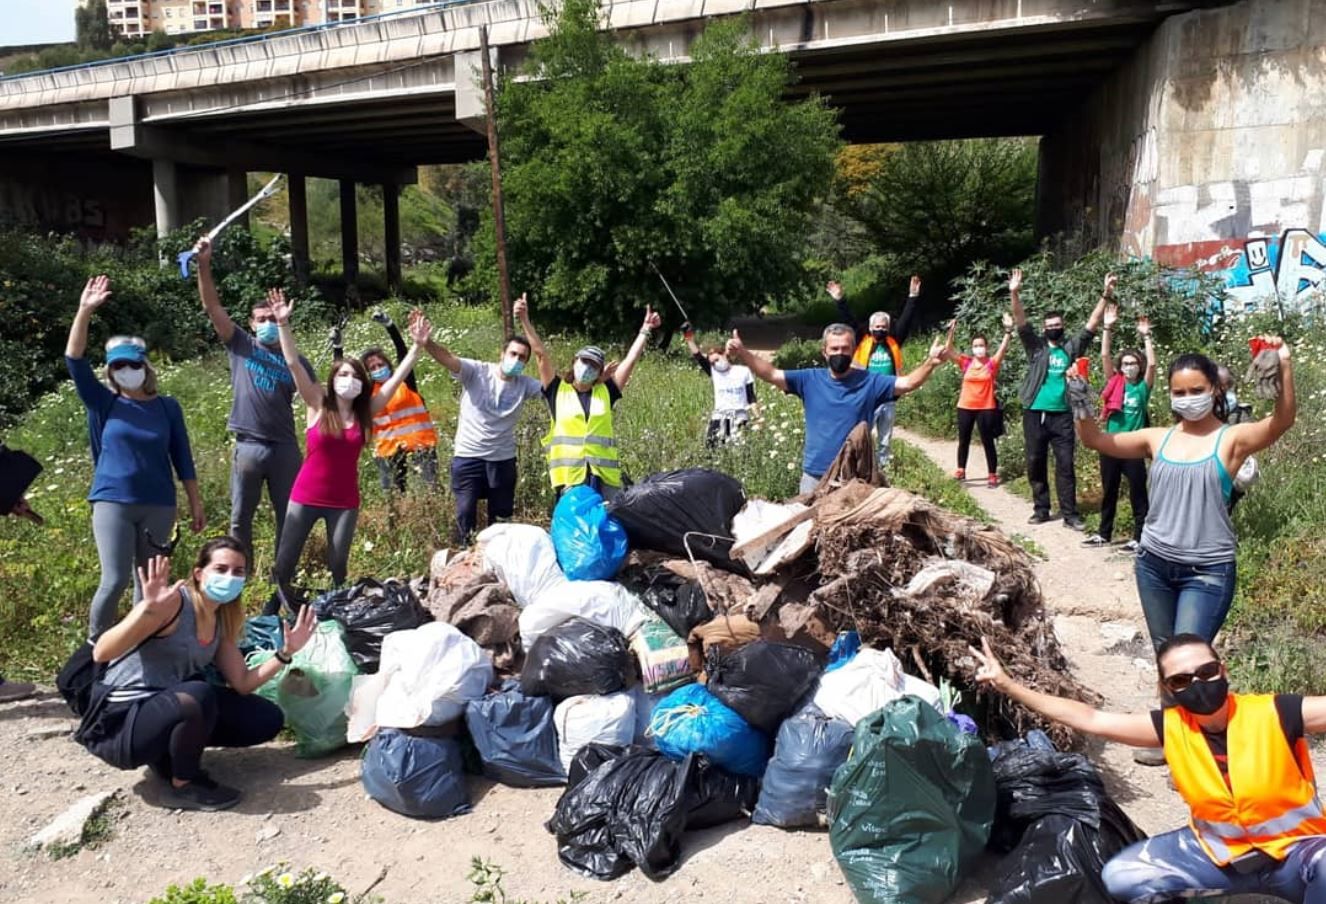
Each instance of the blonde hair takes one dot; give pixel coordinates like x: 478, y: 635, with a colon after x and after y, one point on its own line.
x: 230, y: 617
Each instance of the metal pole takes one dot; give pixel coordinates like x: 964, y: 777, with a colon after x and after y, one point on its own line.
x: 499, y: 217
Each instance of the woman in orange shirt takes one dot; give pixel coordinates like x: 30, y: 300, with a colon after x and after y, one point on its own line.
x: 977, y: 406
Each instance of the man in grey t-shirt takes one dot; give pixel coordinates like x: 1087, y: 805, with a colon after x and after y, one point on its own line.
x: 483, y: 465
x: 261, y: 417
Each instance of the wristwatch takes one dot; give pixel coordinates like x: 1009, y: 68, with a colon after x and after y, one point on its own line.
x: 283, y: 657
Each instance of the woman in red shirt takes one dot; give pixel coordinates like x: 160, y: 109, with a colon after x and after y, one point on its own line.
x: 340, y: 418
x: 977, y: 406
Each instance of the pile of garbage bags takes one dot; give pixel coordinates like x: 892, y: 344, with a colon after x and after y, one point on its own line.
x: 679, y: 659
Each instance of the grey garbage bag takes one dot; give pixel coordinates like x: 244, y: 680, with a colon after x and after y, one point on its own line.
x: 515, y: 737
x: 809, y: 749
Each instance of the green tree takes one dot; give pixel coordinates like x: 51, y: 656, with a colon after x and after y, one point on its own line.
x: 92, y: 27
x: 614, y: 165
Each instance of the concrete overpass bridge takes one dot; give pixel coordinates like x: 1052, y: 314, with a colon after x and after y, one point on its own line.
x: 1124, y: 93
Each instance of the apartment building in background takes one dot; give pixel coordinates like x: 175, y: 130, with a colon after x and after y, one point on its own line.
x: 137, y: 18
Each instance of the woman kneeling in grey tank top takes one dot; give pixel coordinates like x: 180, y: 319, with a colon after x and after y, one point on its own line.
x: 152, y: 707
x: 1185, y: 564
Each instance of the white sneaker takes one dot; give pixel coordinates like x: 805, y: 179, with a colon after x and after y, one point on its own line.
x: 1095, y: 540
x: 1130, y: 547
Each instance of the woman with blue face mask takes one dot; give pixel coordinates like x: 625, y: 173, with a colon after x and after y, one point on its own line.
x: 152, y: 708
x: 1185, y: 561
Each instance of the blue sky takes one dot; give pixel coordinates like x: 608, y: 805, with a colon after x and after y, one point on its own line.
x: 36, y: 21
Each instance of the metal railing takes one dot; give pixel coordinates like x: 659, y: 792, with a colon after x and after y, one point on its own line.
x: 246, y: 39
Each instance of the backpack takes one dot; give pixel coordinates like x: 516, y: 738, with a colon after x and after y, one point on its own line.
x: 81, y: 672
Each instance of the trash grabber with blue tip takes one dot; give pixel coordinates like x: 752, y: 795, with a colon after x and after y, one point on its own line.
x: 268, y: 190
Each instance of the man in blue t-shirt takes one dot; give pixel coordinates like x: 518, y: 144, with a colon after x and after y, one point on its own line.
x: 836, y: 398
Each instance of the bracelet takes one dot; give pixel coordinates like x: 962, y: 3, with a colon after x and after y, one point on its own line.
x: 284, y: 658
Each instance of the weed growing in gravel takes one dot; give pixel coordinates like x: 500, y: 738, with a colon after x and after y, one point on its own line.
x: 486, y: 877
x: 99, y: 829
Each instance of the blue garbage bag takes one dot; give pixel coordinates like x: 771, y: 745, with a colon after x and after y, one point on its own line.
x: 515, y: 737
x: 415, y: 776
x: 845, y: 646
x: 261, y: 632
x: 809, y: 749
x: 692, y: 720
x: 591, y: 544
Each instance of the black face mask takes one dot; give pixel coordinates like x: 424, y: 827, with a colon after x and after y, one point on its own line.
x: 880, y: 334
x: 1203, y: 697
x: 840, y: 364
x: 1055, y: 334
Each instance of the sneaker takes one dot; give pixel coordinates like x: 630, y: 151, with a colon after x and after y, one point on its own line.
x: 10, y: 691
x: 1130, y: 547
x: 1149, y: 756
x: 960, y: 474
x: 1074, y: 522
x: 202, y: 794
x: 1039, y: 518
x: 992, y: 481
x: 1095, y: 540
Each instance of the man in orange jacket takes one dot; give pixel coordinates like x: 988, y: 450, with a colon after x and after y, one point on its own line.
x: 1240, y: 762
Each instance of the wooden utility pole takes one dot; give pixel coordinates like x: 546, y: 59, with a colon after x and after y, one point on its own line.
x: 495, y: 161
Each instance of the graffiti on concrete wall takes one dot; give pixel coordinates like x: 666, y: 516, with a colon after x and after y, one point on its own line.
x: 48, y: 207
x: 1288, y: 269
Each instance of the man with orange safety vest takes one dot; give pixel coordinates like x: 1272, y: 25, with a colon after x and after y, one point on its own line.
x: 879, y: 351
x: 403, y: 432
x: 1240, y: 762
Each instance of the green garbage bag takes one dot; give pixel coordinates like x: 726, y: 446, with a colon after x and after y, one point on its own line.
x: 912, y: 807
x: 313, y: 690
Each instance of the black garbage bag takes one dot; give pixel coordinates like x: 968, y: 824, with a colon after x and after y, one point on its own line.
x: 369, y: 610
x: 630, y: 810
x: 515, y: 737
x: 681, y: 604
x: 809, y: 749
x: 1032, y: 783
x: 659, y: 511
x: 1060, y: 859
x: 717, y: 796
x: 762, y: 682
x: 576, y: 657
x: 416, y: 776
x: 589, y: 758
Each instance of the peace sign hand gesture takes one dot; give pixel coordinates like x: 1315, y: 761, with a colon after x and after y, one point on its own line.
x: 988, y: 670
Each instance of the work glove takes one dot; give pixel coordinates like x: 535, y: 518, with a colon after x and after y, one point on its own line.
x: 1081, y: 399
x: 1264, y: 374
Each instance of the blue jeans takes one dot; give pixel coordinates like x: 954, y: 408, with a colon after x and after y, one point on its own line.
x: 1173, y: 866
x: 473, y: 479
x: 1183, y: 599
x: 882, y: 424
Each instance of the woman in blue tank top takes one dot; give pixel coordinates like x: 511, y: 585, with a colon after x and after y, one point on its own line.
x: 1185, y: 564
x: 152, y: 707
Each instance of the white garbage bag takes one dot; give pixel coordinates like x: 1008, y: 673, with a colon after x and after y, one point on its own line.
x: 869, y: 680
x: 593, y: 719
x: 601, y: 602
x: 431, y: 673
x: 362, y: 710
x: 522, y: 555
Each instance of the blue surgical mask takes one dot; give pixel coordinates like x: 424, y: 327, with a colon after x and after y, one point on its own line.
x: 513, y: 367
x: 381, y: 375
x: 268, y: 332
x: 223, y: 588
x: 1231, y: 400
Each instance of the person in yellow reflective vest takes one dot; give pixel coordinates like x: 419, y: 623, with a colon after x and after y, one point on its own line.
x: 581, y: 443
x: 403, y: 431
x: 1239, y: 761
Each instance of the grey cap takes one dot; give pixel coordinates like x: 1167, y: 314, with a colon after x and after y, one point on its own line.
x: 593, y: 354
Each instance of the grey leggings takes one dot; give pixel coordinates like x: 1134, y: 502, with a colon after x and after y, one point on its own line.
x: 120, y: 532
x: 299, y: 521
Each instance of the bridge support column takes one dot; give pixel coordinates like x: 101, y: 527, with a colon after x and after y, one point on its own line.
x: 350, y: 239
x: 297, y: 190
x: 391, y: 227
x: 166, y: 193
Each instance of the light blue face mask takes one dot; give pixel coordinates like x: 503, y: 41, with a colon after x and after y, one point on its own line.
x: 381, y: 375
x: 513, y: 367
x: 223, y: 588
x: 584, y: 372
x: 268, y: 333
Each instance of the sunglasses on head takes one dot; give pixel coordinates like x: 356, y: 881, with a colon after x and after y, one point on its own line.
x: 164, y: 549
x: 1183, y: 680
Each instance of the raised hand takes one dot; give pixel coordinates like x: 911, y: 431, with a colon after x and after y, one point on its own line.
x: 1144, y: 326
x: 281, y: 309
x: 988, y: 669
x: 297, y: 635
x: 1007, y: 321
x: 420, y: 327
x: 158, y: 593
x: 1015, y: 281
x: 610, y: 370
x: 939, y: 346
x: 1111, y: 280
x: 95, y: 293
x: 521, y: 308
x: 1111, y: 315
x: 736, y: 349
x: 652, y: 320
x: 1280, y: 345
x: 835, y: 290
x: 202, y: 252
x: 915, y: 287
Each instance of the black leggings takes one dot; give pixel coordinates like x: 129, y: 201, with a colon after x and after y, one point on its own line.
x: 988, y: 421
x: 171, y: 729
x: 1112, y: 472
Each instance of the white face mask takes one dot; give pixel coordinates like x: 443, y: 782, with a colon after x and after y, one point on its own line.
x: 130, y: 378
x: 721, y: 365
x: 1193, y: 407
x: 979, y: 351
x: 584, y: 372
x: 1130, y: 371
x: 348, y: 388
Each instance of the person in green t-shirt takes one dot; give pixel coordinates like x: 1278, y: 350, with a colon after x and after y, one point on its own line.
x: 1127, y: 395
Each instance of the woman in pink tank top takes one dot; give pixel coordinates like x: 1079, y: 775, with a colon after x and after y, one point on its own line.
x: 340, y: 417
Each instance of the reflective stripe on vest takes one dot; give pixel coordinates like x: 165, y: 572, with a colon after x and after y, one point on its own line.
x: 1270, y: 801
x: 577, y: 445
x: 404, y: 425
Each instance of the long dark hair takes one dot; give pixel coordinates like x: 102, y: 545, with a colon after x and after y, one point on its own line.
x: 330, y: 423
x: 1210, y: 370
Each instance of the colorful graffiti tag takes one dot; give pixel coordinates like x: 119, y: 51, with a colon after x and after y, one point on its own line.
x: 1288, y: 269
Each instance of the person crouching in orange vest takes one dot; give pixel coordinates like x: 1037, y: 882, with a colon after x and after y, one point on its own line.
x: 403, y: 432
x: 1239, y: 761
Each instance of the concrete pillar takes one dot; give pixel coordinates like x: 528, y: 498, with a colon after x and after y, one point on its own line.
x: 391, y: 223
x: 349, y: 238
x: 297, y: 190
x: 166, y: 192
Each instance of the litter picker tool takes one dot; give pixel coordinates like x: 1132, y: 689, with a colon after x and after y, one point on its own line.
x: 267, y: 191
x: 684, y: 315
